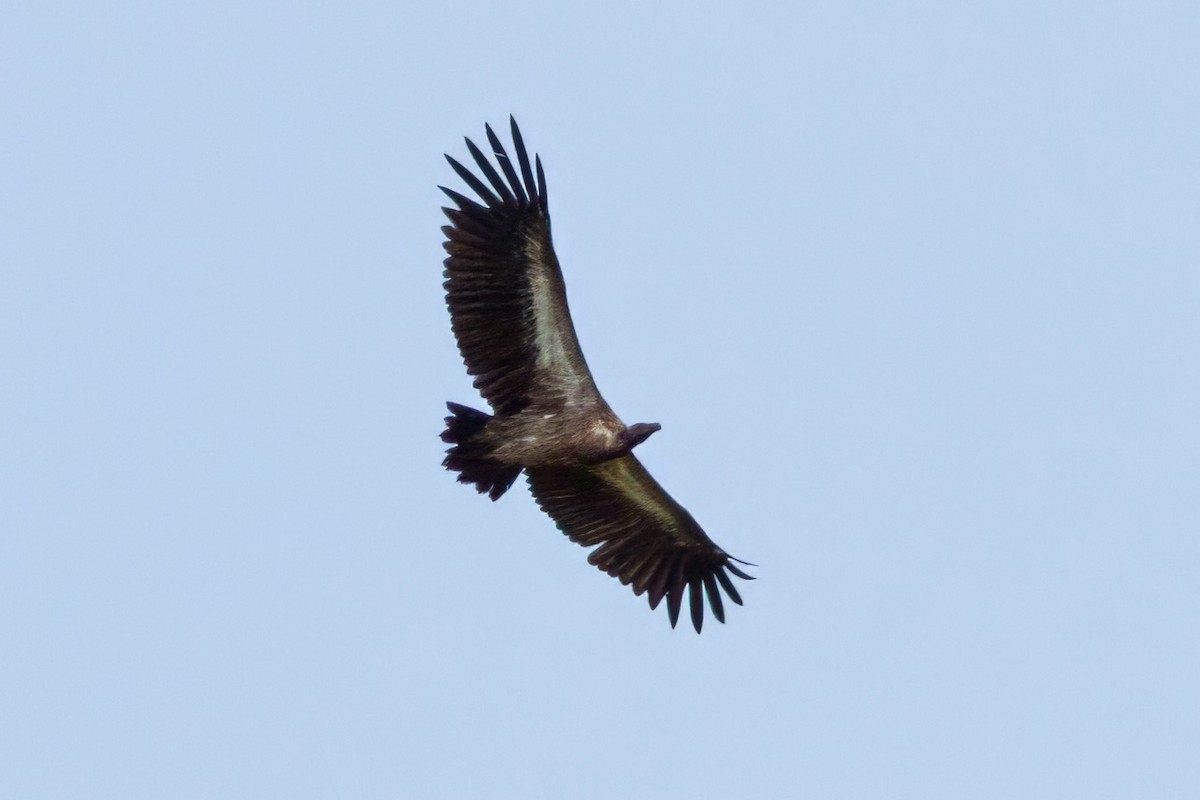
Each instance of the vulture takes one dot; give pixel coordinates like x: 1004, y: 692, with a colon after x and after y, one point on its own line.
x: 508, y: 310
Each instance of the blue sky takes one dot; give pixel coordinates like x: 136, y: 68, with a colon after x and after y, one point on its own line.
x: 912, y: 289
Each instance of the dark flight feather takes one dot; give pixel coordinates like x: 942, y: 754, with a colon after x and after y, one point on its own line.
x: 506, y: 164
x: 522, y: 158
x: 490, y: 173
x: 476, y: 185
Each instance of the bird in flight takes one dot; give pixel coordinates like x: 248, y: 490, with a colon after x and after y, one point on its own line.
x: 508, y: 310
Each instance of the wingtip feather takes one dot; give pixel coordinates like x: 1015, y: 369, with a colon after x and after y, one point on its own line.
x: 543, y: 195
x: 506, y: 164
x: 477, y: 186
x: 674, y: 601
x: 714, y: 597
x: 696, y: 597
x: 738, y: 572
x: 489, y: 172
x: 728, y: 586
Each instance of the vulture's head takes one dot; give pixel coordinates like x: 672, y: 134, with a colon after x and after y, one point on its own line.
x: 639, y: 432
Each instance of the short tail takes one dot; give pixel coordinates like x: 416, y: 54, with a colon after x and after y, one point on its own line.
x: 471, y: 458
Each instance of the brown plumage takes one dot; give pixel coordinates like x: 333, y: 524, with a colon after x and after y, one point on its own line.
x: 508, y: 310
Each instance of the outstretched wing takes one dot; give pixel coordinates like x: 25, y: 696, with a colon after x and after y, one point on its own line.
x: 646, y: 539
x: 504, y: 288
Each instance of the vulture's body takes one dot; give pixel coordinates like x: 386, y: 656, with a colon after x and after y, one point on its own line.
x: 508, y: 309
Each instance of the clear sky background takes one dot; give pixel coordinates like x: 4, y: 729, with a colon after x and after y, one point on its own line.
x: 914, y: 291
